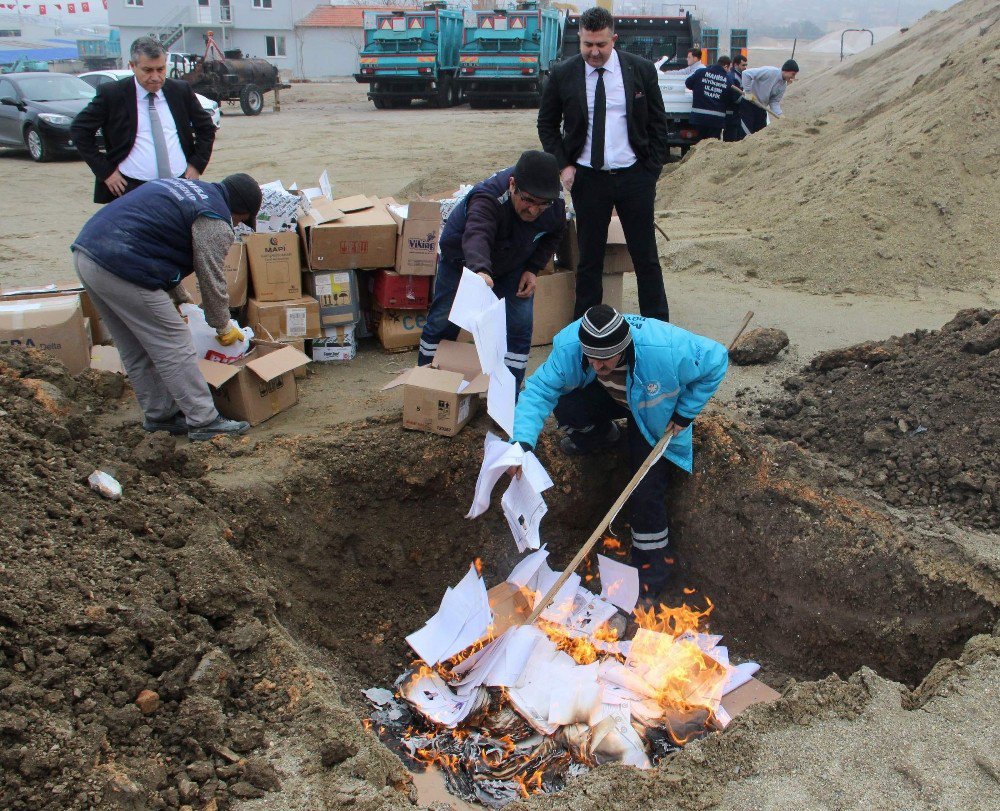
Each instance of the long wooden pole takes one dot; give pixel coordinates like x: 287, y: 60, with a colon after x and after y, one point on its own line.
x: 654, y: 456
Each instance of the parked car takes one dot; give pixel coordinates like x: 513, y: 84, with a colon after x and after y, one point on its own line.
x: 95, y: 78
x: 36, y: 110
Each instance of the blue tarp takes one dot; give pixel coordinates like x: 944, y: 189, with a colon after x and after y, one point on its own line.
x: 8, y: 57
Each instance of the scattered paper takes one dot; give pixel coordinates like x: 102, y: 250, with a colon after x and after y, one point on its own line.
x: 462, y: 620
x: 433, y: 698
x: 378, y: 696
x: 562, y: 605
x: 500, y: 398
x: 105, y: 484
x: 739, y: 675
x: 324, y: 184
x: 489, y: 333
x: 619, y: 583
x: 472, y: 298
x: 524, y: 509
x: 525, y: 574
x: 501, y: 663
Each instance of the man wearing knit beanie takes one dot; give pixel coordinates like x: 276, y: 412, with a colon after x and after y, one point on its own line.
x: 608, y: 366
x: 763, y: 90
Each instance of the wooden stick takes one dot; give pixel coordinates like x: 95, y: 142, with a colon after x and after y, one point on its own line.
x: 663, y: 233
x: 739, y: 332
x: 640, y: 474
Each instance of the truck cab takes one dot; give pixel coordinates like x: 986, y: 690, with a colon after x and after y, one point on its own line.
x: 411, y: 54
x: 506, y: 54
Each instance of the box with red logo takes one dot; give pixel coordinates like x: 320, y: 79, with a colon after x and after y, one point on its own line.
x: 392, y: 291
x: 348, y: 234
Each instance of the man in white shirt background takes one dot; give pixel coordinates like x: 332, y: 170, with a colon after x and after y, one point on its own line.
x: 153, y: 127
x: 602, y: 117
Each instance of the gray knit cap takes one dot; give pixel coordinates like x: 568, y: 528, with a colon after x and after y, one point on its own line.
x: 604, y: 333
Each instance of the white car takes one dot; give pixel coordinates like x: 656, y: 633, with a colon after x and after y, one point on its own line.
x: 96, y: 78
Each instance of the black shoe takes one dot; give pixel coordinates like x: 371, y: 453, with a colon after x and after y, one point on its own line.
x: 570, y: 448
x: 176, y: 425
x: 220, y: 426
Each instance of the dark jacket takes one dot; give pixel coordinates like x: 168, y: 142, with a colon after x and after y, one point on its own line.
x: 485, y: 234
x: 145, y: 236
x: 114, y: 110
x: 712, y: 90
x: 563, y: 115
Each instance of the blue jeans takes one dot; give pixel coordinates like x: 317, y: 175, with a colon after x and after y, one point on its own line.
x: 519, y: 317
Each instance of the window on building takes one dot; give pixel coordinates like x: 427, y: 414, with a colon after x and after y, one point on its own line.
x: 274, y: 46
x: 133, y: 2
x: 262, y: 4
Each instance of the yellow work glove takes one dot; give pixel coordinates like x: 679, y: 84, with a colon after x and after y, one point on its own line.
x: 230, y: 336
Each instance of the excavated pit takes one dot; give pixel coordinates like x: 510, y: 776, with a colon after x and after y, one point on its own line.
x: 808, y: 581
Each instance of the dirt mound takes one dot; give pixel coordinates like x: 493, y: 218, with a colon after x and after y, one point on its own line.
x: 881, y: 177
x: 913, y: 417
x: 139, y: 666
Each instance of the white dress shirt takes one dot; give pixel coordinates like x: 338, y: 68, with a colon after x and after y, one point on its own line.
x: 141, y: 161
x: 618, y: 152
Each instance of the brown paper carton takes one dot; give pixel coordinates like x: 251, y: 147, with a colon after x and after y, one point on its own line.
x: 55, y: 325
x: 99, y: 332
x: 338, y: 295
x: 417, y: 238
x: 284, y: 321
x: 275, y: 266
x: 443, y: 397
x: 399, y: 330
x: 616, y: 257
x: 555, y: 297
x: 258, y: 386
x: 362, y: 236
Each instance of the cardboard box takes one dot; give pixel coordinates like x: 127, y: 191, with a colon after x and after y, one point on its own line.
x: 106, y: 359
x: 418, y: 226
x: 99, y: 332
x: 431, y: 397
x: 348, y: 234
x: 555, y: 297
x: 275, y: 266
x: 299, y: 344
x: 237, y: 278
x: 338, y: 344
x: 399, y: 330
x: 52, y: 324
x: 284, y: 320
x: 392, y: 291
x: 257, y: 386
x: 337, y: 293
x: 616, y: 257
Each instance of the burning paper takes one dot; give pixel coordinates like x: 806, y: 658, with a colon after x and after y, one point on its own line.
x: 619, y: 583
x: 463, y: 618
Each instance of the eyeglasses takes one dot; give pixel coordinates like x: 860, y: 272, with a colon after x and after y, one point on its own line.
x: 531, y: 201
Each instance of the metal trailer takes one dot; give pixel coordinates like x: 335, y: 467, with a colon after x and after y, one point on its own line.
x: 101, y: 54
x: 506, y: 56
x: 411, y: 55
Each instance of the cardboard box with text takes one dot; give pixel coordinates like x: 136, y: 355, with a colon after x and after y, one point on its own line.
x: 337, y: 293
x: 338, y: 344
x: 418, y: 226
x: 284, y: 320
x: 99, y: 332
x: 399, y: 330
x: 55, y: 325
x: 393, y: 291
x: 275, y: 266
x: 348, y: 234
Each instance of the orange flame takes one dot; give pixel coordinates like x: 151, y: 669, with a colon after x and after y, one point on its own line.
x: 478, y: 563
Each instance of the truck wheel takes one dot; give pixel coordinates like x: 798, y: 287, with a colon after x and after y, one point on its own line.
x: 251, y: 100
x: 37, y: 148
x: 478, y: 104
x: 380, y: 103
x: 444, y: 94
x: 455, y: 96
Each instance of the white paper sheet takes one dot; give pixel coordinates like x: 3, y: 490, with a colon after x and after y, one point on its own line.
x: 489, y: 333
x: 590, y: 612
x: 324, y: 184
x: 501, y: 663
x: 525, y: 573
x: 472, y: 298
x: 619, y: 583
x: 463, y: 618
x: 498, y: 455
x: 561, y: 607
x: 500, y: 397
x: 433, y: 698
x: 578, y: 697
x: 524, y: 509
x: 739, y: 675
x: 536, y: 474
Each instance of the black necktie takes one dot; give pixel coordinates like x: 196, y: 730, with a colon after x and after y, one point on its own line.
x: 600, y: 113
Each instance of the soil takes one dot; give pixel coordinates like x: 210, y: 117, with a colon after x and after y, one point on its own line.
x: 913, y: 417
x: 203, y: 641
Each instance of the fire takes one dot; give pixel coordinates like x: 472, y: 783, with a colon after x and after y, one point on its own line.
x: 673, y: 621
x: 529, y: 785
x: 478, y: 563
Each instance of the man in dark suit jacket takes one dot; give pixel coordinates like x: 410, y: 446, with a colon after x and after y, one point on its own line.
x: 609, y: 160
x: 153, y: 127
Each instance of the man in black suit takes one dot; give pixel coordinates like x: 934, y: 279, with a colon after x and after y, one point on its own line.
x: 602, y: 117
x: 153, y: 127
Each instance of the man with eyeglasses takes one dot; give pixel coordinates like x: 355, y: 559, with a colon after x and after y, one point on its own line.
x: 506, y: 229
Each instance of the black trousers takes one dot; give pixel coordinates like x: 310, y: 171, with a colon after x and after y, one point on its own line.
x: 587, y: 414
x: 632, y: 192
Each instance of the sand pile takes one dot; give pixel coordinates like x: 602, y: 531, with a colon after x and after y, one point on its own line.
x: 913, y: 417
x: 881, y: 177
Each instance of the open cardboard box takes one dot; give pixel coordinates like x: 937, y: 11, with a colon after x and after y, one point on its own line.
x: 443, y: 397
x: 258, y: 385
x: 99, y: 332
x: 237, y: 278
x: 348, y: 233
x: 418, y: 227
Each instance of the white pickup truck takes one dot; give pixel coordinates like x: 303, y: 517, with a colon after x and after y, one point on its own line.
x: 677, y: 102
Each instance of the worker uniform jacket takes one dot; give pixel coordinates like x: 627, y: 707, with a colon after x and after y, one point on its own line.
x: 564, y: 118
x: 145, y: 236
x: 484, y: 233
x: 712, y: 91
x: 672, y: 371
x: 115, y: 112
